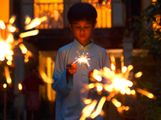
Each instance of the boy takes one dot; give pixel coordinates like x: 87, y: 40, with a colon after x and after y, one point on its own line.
x: 70, y: 76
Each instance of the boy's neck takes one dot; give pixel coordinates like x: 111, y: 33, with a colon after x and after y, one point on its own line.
x: 85, y: 44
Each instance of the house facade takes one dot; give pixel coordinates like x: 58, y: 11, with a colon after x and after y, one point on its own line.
x: 114, y: 18
x: 113, y: 22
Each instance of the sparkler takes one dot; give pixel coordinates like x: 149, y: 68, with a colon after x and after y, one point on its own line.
x: 83, y: 59
x: 8, y: 42
x: 107, y: 84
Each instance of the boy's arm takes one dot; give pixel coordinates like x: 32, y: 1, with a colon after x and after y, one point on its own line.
x: 60, y: 76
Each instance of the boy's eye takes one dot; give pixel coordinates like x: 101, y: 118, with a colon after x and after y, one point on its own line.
x: 82, y: 28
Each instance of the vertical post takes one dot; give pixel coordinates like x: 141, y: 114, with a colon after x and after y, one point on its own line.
x: 16, y: 9
x: 18, y: 78
x: 127, y: 47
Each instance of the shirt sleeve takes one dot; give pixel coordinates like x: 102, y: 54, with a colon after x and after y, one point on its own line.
x: 60, y: 83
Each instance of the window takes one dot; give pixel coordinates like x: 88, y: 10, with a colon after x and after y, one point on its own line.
x: 116, y: 59
x: 104, y: 11
x: 53, y: 9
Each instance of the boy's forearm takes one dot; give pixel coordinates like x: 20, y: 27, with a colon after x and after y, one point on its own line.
x: 63, y: 84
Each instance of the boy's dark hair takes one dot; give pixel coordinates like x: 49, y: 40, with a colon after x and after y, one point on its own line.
x: 82, y: 11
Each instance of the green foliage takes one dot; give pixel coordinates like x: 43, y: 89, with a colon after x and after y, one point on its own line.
x: 152, y: 34
x: 151, y: 81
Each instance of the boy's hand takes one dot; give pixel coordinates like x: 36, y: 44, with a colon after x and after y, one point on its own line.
x: 71, y: 68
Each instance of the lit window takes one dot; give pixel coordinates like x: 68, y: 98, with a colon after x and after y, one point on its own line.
x: 154, y: 1
x: 53, y: 9
x: 5, y: 8
x: 103, y: 7
x: 116, y: 58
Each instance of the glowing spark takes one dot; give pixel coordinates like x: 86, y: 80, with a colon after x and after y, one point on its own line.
x: 88, y: 110
x: 83, y: 59
x: 7, y: 74
x: 2, y: 25
x: 27, y: 20
x: 8, y: 42
x: 146, y: 93
x: 99, y: 108
x: 20, y: 87
x: 113, y: 84
x: 35, y: 22
x: 138, y: 75
x: 29, y: 33
x: 116, y: 102
x: 5, y: 50
x: 4, y: 85
x: 12, y: 19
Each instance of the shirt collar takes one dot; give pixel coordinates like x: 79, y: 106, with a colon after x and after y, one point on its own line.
x: 77, y: 44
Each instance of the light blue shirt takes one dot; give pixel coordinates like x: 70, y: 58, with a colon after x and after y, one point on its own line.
x: 69, y: 97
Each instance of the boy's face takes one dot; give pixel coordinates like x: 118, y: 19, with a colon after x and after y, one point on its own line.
x: 82, y: 31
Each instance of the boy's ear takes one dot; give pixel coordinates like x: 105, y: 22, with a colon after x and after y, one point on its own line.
x: 95, y: 24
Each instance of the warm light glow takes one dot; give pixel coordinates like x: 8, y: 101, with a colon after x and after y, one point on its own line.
x: 5, y: 50
x: 116, y: 102
x: 8, y: 43
x: 7, y: 75
x: 97, y: 75
x: 20, y: 87
x: 53, y: 9
x: 154, y: 1
x: 45, y: 77
x: 11, y: 28
x: 99, y: 108
x: 82, y: 59
x: 12, y: 20
x: 146, y: 93
x: 35, y: 22
x: 23, y: 48
x: 138, y: 75
x: 4, y: 85
x: 29, y: 33
x: 5, y: 10
x: 27, y: 20
x: 88, y: 110
x: 2, y: 25
x: 104, y: 13
x: 114, y: 84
